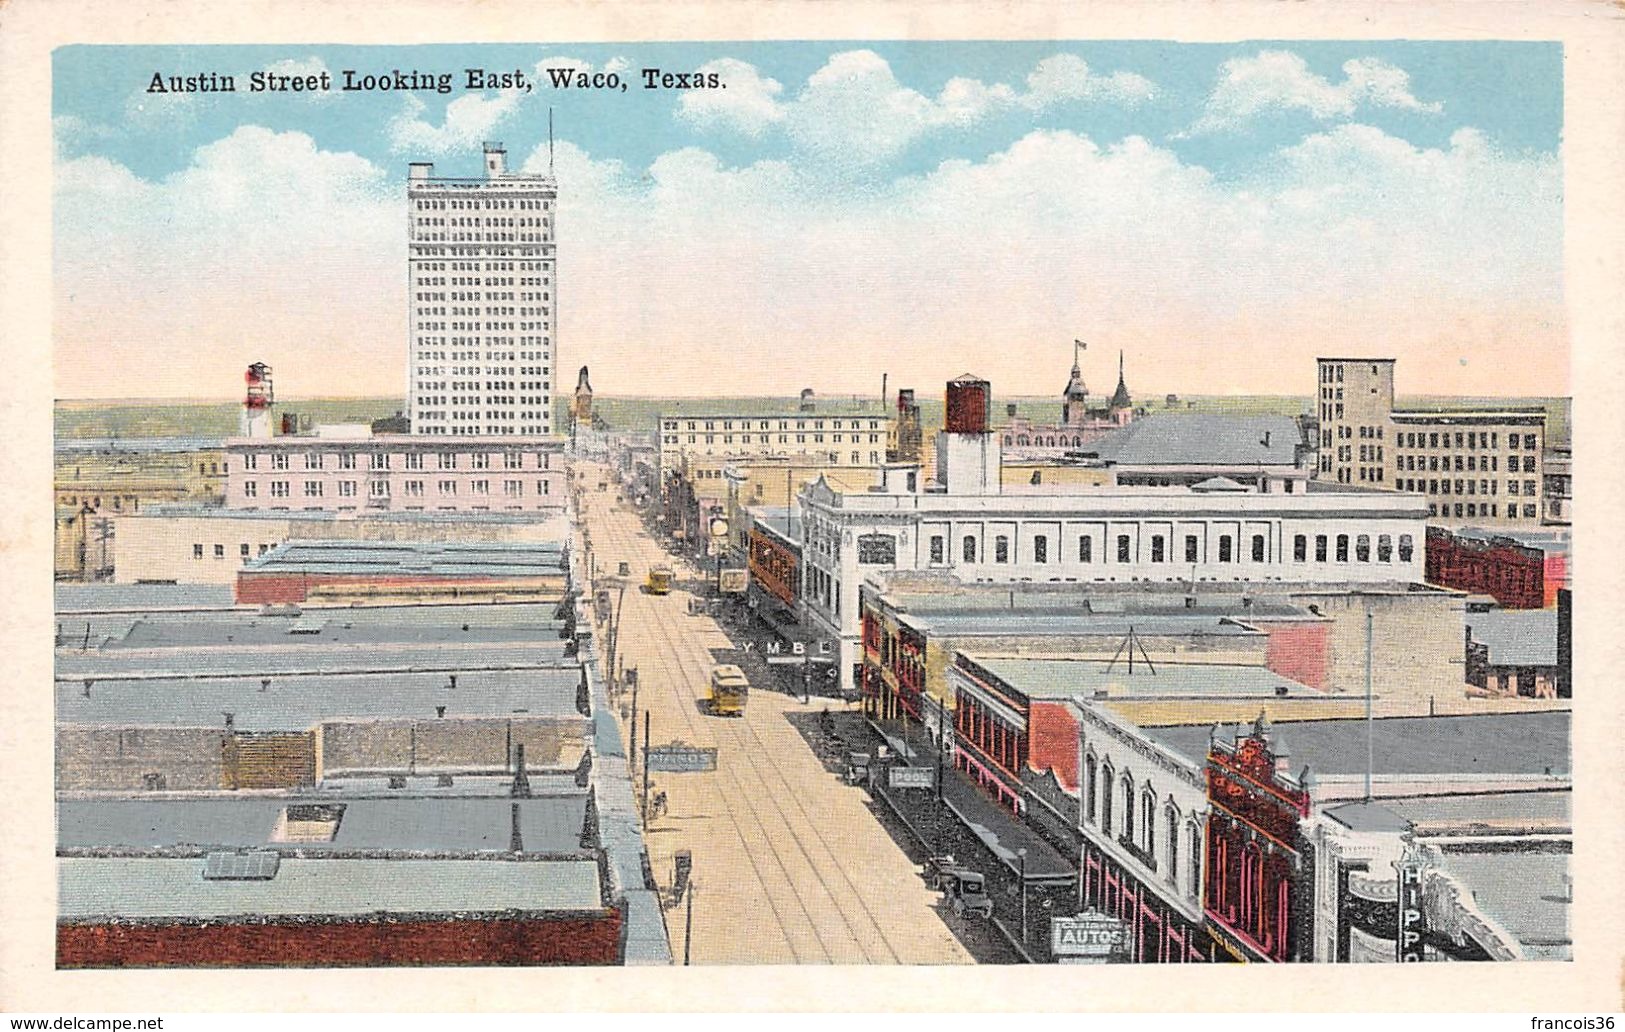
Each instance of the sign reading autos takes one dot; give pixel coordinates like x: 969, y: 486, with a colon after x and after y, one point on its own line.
x: 678, y: 758
x: 1087, y: 938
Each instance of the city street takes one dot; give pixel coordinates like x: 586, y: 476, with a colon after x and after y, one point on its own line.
x: 790, y: 864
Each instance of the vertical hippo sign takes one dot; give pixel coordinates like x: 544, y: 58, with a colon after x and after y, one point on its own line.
x: 1408, y: 941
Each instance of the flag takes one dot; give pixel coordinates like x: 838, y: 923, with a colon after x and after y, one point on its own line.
x: 1079, y: 343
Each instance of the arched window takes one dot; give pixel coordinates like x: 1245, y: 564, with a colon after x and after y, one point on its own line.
x: 1089, y: 788
x: 1106, y: 799
x: 1001, y: 549
x: 1362, y: 548
x: 1342, y: 548
x: 1128, y: 805
x: 1195, y: 859
x: 1405, y: 548
x: 1148, y: 820
x: 1171, y: 815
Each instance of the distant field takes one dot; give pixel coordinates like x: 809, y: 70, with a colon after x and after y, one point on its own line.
x: 219, y: 419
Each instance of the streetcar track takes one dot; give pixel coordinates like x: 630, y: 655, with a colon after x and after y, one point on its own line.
x: 862, y: 926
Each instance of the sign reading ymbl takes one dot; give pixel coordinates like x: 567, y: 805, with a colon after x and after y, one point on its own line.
x: 678, y: 758
x: 1087, y: 935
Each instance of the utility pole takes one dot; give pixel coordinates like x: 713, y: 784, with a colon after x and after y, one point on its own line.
x: 645, y: 771
x: 1370, y: 727
x: 688, y: 921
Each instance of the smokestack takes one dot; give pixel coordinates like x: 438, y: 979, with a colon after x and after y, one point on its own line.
x: 452, y: 678
x: 521, y: 780
x: 516, y: 841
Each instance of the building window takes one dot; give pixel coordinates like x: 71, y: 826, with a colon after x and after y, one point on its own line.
x: 414, y: 460
x: 243, y: 551
x: 1089, y: 789
x: 1342, y: 548
x: 1362, y: 548
x: 379, y: 460
x: 279, y: 489
x: 1106, y: 799
x: 1157, y: 555
x: 1300, y: 548
x: 279, y: 461
x: 197, y: 551
x: 1086, y: 549
x: 346, y: 488
x: 219, y: 551
x: 1040, y: 549
x: 1171, y: 814
x: 1258, y: 548
x: 1225, y: 554
x: 251, y: 489
x: 1405, y: 549
x: 379, y: 489
x: 968, y: 547
x: 1001, y: 549
x: 1122, y: 548
x: 938, y: 550
x: 1385, y: 548
x: 1148, y: 821
x: 1128, y: 807
x: 251, y: 461
x: 313, y: 489
x: 347, y: 460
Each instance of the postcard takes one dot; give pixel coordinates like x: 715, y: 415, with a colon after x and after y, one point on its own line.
x: 856, y: 506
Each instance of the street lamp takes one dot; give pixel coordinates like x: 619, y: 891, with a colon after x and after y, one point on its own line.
x: 1021, y: 854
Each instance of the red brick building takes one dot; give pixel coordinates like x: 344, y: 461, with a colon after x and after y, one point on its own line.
x: 1520, y: 570
x: 1258, y: 894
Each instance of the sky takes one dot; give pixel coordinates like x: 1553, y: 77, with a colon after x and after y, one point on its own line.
x: 1220, y: 213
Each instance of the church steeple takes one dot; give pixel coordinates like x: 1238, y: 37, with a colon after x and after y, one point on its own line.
x: 1120, y: 398
x: 1075, y: 399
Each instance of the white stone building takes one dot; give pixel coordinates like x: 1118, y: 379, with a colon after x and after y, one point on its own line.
x: 1217, y: 531
x: 482, y: 301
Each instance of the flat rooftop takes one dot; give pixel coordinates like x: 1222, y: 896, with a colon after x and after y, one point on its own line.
x: 293, y: 703
x: 152, y: 888
x: 417, y: 558
x: 1200, y: 439
x: 417, y: 824
x: 1526, y: 891
x: 1025, y: 623
x: 1517, y: 637
x: 1542, y: 540
x: 91, y: 598
x: 169, y: 510
x: 1066, y: 678
x: 1487, y: 744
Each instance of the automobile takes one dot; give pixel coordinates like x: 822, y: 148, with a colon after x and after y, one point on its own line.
x: 936, y: 870
x: 965, y: 892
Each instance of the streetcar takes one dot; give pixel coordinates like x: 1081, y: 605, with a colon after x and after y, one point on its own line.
x: 729, y: 690
x: 659, y: 581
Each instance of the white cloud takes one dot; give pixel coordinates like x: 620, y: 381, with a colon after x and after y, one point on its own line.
x: 750, y: 105
x: 855, y: 111
x: 70, y: 133
x: 468, y: 120
x: 266, y: 243
x: 263, y: 246
x: 160, y: 111
x: 1277, y: 80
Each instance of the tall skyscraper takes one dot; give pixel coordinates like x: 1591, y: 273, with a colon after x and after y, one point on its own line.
x: 482, y: 300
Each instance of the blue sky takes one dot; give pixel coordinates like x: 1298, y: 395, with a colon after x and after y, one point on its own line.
x: 1192, y: 201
